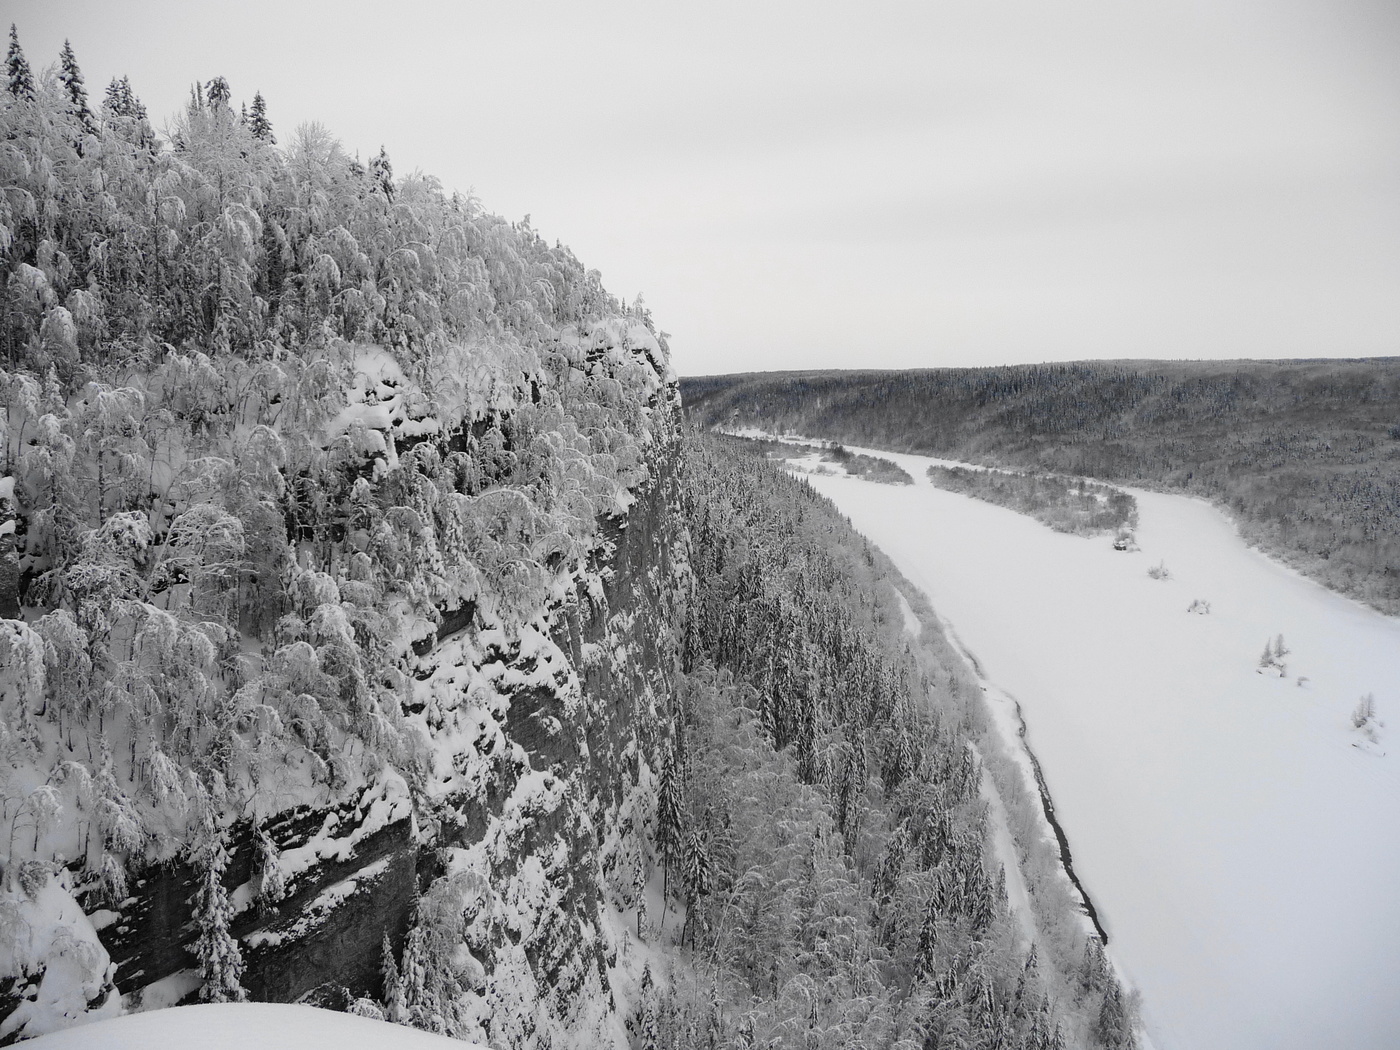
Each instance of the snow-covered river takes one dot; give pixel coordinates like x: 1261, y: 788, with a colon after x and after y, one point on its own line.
x: 1243, y: 854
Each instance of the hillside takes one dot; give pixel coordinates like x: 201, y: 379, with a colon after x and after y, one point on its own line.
x: 840, y: 797
x: 1304, y: 454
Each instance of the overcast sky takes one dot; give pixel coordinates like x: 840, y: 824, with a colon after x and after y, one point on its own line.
x: 865, y: 184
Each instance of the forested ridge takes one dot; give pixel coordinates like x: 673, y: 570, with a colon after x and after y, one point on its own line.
x: 1304, y: 454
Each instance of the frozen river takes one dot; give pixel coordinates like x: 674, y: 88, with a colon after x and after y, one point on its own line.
x: 1243, y: 854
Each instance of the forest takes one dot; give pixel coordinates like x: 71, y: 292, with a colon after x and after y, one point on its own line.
x: 831, y: 827
x: 1304, y: 454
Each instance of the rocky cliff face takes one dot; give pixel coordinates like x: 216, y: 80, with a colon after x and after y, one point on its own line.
x: 523, y: 825
x: 317, y: 610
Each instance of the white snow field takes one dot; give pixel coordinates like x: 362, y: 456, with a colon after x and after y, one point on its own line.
x: 1242, y: 850
x: 243, y: 1026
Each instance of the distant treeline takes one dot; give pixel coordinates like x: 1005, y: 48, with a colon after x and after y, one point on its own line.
x: 1305, y: 454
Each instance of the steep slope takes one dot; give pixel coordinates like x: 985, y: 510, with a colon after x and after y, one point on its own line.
x: 337, y: 522
x: 859, y: 861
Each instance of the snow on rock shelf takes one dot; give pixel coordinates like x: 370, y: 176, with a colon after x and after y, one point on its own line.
x: 238, y: 1026
x: 1238, y: 831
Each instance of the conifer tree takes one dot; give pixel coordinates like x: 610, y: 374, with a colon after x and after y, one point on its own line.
x: 668, y: 818
x: 1114, y: 1027
x: 121, y: 102
x: 135, y: 108
x: 395, y: 1005
x: 218, y: 94
x: 72, y: 79
x: 382, y: 174
x: 695, y: 874
x: 113, y: 102
x: 21, y: 79
x: 648, y: 1033
x: 258, y: 123
x: 220, y: 959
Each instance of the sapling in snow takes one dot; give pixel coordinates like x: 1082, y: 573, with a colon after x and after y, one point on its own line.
x: 1271, y: 660
x: 1364, y: 720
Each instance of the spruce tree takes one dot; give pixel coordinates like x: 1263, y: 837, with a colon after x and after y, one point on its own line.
x: 648, y: 1033
x: 668, y: 818
x: 258, y: 123
x: 1114, y: 1027
x: 136, y: 109
x: 220, y: 959
x: 695, y: 874
x: 395, y: 1005
x: 218, y: 93
x: 72, y: 79
x: 382, y: 174
x: 113, y: 102
x: 21, y: 79
x: 121, y: 102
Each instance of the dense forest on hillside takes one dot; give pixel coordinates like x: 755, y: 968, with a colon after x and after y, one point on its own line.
x: 1305, y: 454
x: 823, y: 807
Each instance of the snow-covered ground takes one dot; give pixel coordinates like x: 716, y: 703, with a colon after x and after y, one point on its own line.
x: 243, y: 1026
x: 1241, y: 848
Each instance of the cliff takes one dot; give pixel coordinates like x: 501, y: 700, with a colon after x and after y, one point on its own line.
x: 337, y: 523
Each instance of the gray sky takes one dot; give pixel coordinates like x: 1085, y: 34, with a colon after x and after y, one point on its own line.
x: 951, y: 182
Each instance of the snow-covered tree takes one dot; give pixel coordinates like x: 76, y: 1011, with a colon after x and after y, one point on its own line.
x: 381, y: 174
x: 1271, y: 661
x: 395, y: 1005
x: 1365, y: 719
x: 217, y: 94
x: 696, y: 879
x: 670, y: 829
x: 258, y: 123
x: 220, y: 958
x: 272, y: 881
x: 72, y: 80
x: 20, y: 78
